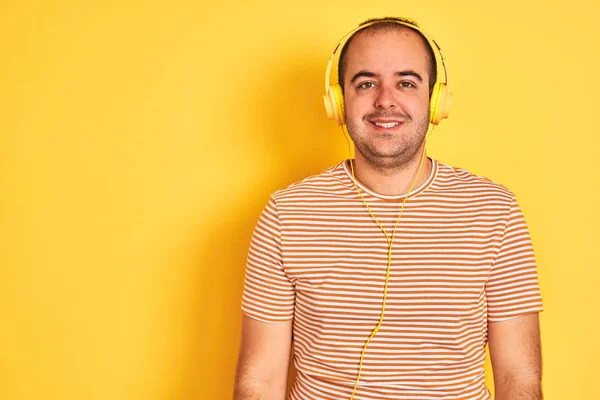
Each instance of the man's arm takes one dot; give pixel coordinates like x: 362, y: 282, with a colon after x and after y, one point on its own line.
x: 264, y: 360
x: 515, y: 352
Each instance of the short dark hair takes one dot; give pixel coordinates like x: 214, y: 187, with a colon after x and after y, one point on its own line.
x: 388, y: 24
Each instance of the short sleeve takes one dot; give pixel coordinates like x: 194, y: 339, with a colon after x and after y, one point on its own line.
x: 269, y: 294
x: 513, y: 288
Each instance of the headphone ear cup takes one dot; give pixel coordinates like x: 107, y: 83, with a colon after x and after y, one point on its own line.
x: 329, y: 106
x: 441, y: 100
x: 334, y: 103
x: 445, y: 105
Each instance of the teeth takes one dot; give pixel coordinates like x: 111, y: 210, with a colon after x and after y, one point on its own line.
x: 387, y: 125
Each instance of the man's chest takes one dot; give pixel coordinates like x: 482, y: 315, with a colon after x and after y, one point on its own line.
x: 438, y: 266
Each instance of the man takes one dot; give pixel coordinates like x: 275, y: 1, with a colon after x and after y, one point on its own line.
x: 391, y: 280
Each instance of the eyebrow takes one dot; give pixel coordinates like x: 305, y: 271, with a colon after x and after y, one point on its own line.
x: 369, y: 74
x: 409, y: 72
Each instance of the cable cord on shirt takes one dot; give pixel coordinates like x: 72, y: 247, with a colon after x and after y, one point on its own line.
x: 390, y: 242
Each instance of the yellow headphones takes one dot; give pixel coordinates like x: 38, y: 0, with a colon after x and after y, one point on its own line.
x: 440, y: 100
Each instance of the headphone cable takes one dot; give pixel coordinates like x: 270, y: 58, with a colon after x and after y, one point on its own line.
x: 390, y: 242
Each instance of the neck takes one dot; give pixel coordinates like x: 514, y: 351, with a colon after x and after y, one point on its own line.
x: 393, y: 182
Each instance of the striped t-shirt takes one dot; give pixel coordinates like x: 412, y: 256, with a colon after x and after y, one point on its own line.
x: 462, y: 256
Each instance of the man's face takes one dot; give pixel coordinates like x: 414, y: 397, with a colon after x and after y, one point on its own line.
x: 386, y: 95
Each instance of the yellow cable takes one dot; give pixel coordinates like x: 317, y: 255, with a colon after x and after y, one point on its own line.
x: 390, y: 243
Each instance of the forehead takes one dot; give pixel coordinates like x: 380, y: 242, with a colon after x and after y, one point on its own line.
x: 387, y: 51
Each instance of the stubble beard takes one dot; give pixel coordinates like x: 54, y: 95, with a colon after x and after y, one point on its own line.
x: 402, y: 149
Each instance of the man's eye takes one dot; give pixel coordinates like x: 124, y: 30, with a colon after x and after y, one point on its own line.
x: 407, y: 84
x: 366, y: 85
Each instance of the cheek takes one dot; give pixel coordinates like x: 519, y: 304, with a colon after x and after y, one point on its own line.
x: 425, y: 101
x: 419, y: 107
x: 356, y: 107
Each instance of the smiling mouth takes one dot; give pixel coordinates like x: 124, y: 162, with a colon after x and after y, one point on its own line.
x: 386, y: 125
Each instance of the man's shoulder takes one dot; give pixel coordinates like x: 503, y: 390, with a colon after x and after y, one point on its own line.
x: 324, y: 184
x: 463, y: 182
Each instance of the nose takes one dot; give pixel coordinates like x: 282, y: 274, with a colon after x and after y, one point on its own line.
x: 385, y: 98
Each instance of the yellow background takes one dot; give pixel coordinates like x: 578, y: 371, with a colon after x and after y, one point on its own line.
x: 140, y: 140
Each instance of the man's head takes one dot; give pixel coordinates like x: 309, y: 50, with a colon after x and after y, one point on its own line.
x: 388, y: 24
x: 386, y: 72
